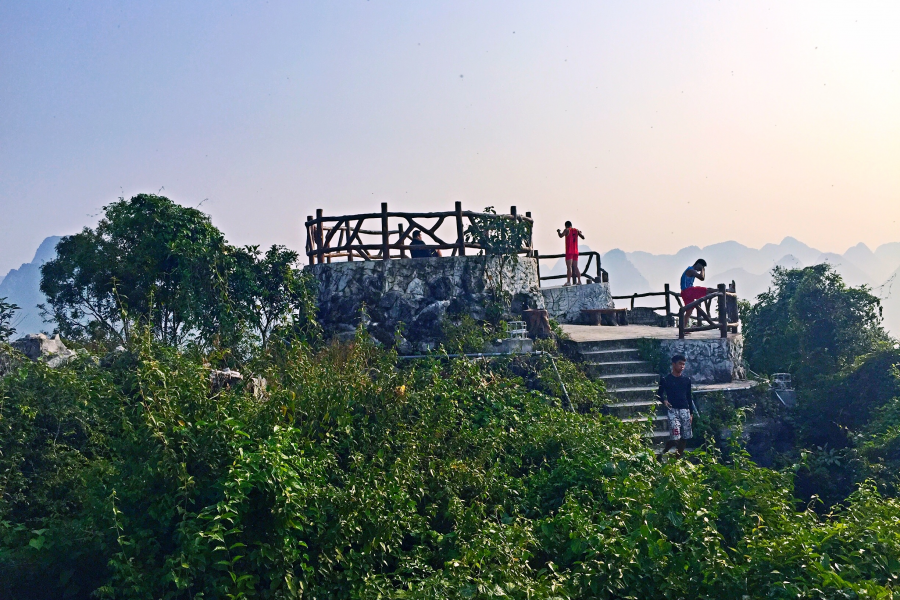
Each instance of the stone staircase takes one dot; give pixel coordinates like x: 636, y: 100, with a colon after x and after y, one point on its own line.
x: 630, y: 380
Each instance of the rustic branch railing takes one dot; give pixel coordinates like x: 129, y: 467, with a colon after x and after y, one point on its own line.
x: 726, y: 305
x: 328, y: 238
x: 667, y: 295
x: 600, y: 275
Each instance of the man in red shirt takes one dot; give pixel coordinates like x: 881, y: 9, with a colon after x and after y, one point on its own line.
x: 571, y: 234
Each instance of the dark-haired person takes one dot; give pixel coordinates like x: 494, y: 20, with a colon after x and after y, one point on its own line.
x: 691, y: 292
x: 675, y: 394
x: 421, y: 252
x: 571, y: 234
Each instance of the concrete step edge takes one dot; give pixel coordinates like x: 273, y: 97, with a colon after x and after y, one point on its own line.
x: 632, y: 403
x: 618, y: 362
x: 644, y: 419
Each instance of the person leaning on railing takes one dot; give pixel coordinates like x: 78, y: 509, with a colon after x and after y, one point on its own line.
x: 690, y: 292
x: 421, y: 252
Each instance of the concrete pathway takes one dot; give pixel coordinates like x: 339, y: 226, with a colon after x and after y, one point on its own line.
x: 600, y: 333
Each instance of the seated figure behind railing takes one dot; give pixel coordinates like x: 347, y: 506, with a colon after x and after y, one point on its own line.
x: 421, y: 252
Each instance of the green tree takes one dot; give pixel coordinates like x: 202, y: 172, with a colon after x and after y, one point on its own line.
x: 271, y: 292
x: 7, y: 311
x: 811, y: 324
x: 149, y: 262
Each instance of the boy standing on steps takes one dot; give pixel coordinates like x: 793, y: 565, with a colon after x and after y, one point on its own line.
x: 675, y: 393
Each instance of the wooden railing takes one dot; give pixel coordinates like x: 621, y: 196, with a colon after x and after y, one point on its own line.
x: 727, y: 308
x: 346, y: 237
x: 600, y: 275
x: 667, y: 295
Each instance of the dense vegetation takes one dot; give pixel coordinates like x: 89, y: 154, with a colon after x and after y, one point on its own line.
x: 356, y: 474
x: 829, y: 337
x: 353, y: 478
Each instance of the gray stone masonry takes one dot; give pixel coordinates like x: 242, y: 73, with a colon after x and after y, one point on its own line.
x: 565, y: 303
x: 418, y: 292
x: 717, y: 360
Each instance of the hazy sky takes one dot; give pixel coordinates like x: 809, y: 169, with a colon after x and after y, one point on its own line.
x: 652, y: 125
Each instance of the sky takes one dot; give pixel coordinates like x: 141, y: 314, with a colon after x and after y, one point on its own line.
x: 651, y: 125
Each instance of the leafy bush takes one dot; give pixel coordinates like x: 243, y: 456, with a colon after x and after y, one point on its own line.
x: 354, y: 476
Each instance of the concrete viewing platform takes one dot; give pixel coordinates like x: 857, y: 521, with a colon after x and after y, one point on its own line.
x: 600, y: 333
x: 711, y: 359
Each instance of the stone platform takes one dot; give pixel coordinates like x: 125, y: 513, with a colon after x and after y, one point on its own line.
x: 419, y: 292
x: 710, y: 358
x: 565, y: 303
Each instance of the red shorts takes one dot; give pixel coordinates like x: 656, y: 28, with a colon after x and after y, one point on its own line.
x: 571, y: 257
x: 692, y: 293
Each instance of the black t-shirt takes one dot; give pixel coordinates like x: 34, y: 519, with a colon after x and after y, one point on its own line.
x: 677, y: 390
x: 420, y: 253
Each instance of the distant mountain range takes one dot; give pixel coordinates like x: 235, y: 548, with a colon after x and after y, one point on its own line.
x: 22, y: 286
x: 750, y: 268
x: 629, y: 273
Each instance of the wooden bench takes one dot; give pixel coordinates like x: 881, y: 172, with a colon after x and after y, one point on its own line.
x: 605, y: 316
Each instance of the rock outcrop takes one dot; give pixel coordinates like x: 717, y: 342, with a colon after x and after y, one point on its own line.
x: 39, y: 347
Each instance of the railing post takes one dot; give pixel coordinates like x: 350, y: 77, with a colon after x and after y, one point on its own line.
x: 349, y: 245
x: 668, y: 305
x: 530, y: 235
x: 310, y: 245
x: 385, y: 239
x: 460, y: 239
x: 537, y: 262
x: 400, y: 240
x: 633, y: 296
x: 320, y: 256
x: 515, y: 218
x: 737, y: 310
x: 723, y: 313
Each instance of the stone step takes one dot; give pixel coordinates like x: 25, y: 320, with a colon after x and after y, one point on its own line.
x: 593, y: 346
x: 610, y: 355
x: 620, y: 367
x: 660, y: 423
x: 633, y: 407
x: 614, y: 383
x: 633, y: 393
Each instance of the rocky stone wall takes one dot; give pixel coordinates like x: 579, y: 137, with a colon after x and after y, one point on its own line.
x: 418, y: 292
x: 710, y: 360
x: 565, y: 303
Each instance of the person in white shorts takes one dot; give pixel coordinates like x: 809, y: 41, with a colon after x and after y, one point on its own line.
x: 675, y: 394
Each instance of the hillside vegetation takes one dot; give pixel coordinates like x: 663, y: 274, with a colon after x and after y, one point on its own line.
x: 355, y: 478
x: 353, y: 473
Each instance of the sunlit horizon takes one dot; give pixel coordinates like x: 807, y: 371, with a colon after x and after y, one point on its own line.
x: 652, y: 126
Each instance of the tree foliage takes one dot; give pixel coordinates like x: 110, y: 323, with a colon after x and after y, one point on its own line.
x: 152, y: 263
x: 356, y: 477
x: 7, y: 312
x: 811, y: 324
x: 149, y: 262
